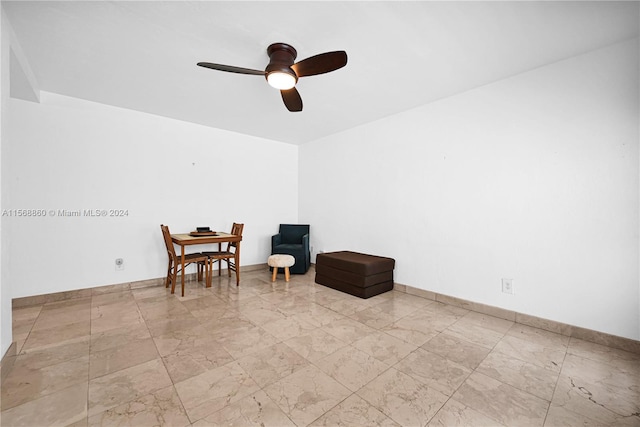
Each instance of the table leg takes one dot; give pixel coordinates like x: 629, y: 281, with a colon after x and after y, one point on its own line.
x: 182, y: 262
x: 236, y: 259
x: 209, y: 273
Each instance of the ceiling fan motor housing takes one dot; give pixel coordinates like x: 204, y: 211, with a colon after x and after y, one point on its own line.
x: 281, y: 58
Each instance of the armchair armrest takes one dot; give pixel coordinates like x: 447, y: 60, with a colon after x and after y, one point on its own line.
x: 307, y: 250
x: 276, y: 240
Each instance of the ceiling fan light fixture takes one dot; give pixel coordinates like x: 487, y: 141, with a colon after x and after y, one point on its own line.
x: 282, y: 79
x: 283, y: 72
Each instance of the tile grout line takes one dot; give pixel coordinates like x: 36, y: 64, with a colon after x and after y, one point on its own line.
x: 173, y: 384
x: 89, y: 363
x: 555, y: 388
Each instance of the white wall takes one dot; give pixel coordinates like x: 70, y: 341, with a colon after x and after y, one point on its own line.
x: 71, y: 154
x: 533, y: 178
x: 6, y: 335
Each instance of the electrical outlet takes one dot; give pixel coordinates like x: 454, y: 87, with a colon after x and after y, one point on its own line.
x: 119, y: 264
x: 507, y: 286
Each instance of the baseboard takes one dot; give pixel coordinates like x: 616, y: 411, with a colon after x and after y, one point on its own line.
x: 99, y: 290
x: 609, y: 340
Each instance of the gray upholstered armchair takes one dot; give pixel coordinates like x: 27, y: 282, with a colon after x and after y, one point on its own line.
x: 293, y: 239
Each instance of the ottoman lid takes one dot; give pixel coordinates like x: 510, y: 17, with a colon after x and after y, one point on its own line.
x: 356, y: 262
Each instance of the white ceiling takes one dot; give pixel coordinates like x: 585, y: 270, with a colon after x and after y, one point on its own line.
x: 143, y: 55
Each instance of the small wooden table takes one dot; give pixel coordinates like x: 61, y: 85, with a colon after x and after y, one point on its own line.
x: 183, y: 240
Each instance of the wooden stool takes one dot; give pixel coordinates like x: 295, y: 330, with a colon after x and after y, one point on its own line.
x: 281, y: 261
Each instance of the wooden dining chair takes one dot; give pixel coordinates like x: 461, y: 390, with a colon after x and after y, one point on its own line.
x: 231, y: 255
x: 175, y: 261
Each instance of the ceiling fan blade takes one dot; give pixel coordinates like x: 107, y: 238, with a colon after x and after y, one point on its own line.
x: 292, y: 99
x: 320, y: 64
x: 231, y: 69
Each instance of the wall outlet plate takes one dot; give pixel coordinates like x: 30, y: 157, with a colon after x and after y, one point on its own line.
x: 507, y: 286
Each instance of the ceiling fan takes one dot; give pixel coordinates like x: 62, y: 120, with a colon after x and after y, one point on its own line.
x: 283, y: 74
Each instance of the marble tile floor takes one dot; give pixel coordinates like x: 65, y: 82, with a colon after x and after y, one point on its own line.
x: 300, y: 354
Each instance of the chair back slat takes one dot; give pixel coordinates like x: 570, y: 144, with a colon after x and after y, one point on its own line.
x: 236, y: 230
x: 167, y: 241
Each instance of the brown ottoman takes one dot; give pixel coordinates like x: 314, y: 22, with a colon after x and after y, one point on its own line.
x: 357, y: 274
